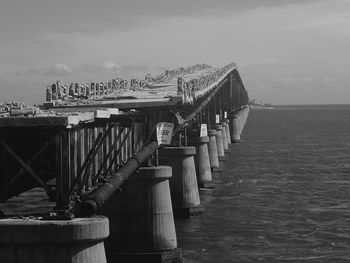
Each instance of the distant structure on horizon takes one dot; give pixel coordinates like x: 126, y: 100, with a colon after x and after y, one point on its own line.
x: 259, y: 105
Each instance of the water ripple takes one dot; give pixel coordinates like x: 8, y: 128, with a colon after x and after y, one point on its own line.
x: 284, y: 195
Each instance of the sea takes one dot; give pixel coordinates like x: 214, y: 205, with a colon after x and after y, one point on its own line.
x: 284, y: 194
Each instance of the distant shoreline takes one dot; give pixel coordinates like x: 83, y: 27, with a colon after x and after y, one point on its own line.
x: 300, y: 107
x: 261, y: 107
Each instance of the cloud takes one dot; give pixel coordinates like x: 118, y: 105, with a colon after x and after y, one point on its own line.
x: 324, y: 19
x: 90, y: 17
x: 97, y: 69
x: 58, y: 70
x: 113, y: 69
x: 100, y: 67
x: 300, y: 79
x: 28, y: 72
x: 136, y: 70
x: 110, y: 65
x: 276, y: 44
x: 62, y: 69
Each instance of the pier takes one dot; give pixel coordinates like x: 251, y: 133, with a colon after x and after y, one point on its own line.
x: 119, y: 159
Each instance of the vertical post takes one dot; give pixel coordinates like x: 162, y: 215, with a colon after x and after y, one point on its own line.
x: 135, y: 138
x: 87, y: 146
x: 48, y: 93
x: 118, y: 158
x: 58, y: 88
x: 129, y: 143
x: 73, y: 154
x: 122, y: 153
x: 112, y: 140
x: 94, y: 134
x: 64, y: 172
x: 95, y: 160
x: 100, y: 153
x: 156, y: 157
x: 81, y: 152
x: 108, y: 143
x: 104, y: 149
x: 125, y: 146
x: 54, y: 92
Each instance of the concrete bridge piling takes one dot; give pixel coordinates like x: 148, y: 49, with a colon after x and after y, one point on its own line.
x: 213, y: 152
x: 202, y: 161
x: 142, y: 220
x: 44, y: 241
x: 183, y: 185
x: 228, y: 133
x: 220, y: 143
x: 104, y: 153
x: 224, y: 136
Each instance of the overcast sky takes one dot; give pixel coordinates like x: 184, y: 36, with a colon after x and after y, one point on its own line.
x: 288, y: 51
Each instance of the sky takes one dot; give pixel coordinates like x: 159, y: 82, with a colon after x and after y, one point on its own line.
x: 287, y: 51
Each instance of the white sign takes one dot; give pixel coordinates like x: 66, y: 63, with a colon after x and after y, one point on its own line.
x: 164, y: 132
x: 204, y: 130
x: 217, y: 119
x: 225, y: 114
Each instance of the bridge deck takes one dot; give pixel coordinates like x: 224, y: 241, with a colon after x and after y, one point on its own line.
x: 160, y: 93
x: 84, y: 133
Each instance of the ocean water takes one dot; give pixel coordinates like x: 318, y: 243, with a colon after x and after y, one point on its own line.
x: 284, y: 195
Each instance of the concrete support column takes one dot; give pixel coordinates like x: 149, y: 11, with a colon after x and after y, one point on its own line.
x: 142, y: 221
x: 245, y: 113
x: 219, y: 143
x: 228, y: 133
x: 236, y: 131
x: 183, y: 184
x: 213, y: 151
x: 224, y: 136
x: 46, y: 241
x: 202, y: 162
x: 240, y: 122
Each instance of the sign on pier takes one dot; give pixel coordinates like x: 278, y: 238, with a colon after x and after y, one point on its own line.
x: 204, y: 130
x: 217, y: 118
x: 164, y: 132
